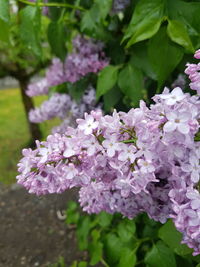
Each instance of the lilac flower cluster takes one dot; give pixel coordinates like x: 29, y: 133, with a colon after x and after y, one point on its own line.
x: 193, y: 70
x: 63, y: 107
x: 56, y: 106
x: 40, y: 87
x: 77, y: 110
x: 145, y: 160
x: 87, y: 57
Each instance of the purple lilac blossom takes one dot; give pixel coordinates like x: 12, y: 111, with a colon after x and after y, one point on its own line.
x: 179, y: 82
x: 56, y: 106
x: 40, y: 87
x: 145, y: 160
x: 87, y: 57
x: 77, y: 110
x: 193, y: 71
x: 119, y: 5
x: 62, y: 106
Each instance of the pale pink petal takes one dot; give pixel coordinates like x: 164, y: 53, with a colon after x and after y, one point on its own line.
x: 195, y: 176
x: 171, y: 101
x: 171, y: 116
x: 185, y: 116
x: 183, y: 128
x: 195, y: 204
x: 169, y: 126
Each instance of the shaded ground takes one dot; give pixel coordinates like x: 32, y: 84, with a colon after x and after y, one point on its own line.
x: 31, y: 234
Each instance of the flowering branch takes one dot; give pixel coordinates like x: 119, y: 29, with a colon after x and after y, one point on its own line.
x: 145, y: 160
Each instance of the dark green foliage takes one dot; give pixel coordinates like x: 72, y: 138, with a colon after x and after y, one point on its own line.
x: 148, y: 44
x: 163, y: 55
x: 107, y: 78
x: 160, y: 255
x: 115, y: 241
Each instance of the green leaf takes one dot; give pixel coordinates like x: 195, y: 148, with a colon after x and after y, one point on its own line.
x: 82, y: 264
x: 4, y: 11
x: 95, y: 247
x: 113, y: 248
x: 172, y: 238
x: 147, y: 29
x: 130, y: 81
x: 128, y: 258
x: 83, y: 232
x: 57, y: 38
x: 30, y: 28
x: 96, y: 252
x: 93, y: 19
x: 126, y: 230
x: 188, y: 14
x: 4, y: 31
x: 160, y: 255
x: 104, y: 219
x: 104, y: 7
x: 140, y: 60
x: 107, y: 78
x: 178, y: 33
x: 111, y: 98
x: 55, y: 13
x: 72, y: 213
x: 87, y: 22
x: 74, y: 264
x: 164, y: 55
x: 145, y: 22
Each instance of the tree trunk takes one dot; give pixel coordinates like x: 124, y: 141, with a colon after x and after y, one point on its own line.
x: 28, y: 105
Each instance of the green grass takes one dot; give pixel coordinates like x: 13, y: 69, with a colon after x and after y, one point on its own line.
x: 14, y: 134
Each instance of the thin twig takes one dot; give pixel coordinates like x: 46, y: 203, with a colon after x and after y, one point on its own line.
x: 52, y: 5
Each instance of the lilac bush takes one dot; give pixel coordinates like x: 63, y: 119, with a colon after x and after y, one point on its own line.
x: 87, y: 57
x: 145, y: 160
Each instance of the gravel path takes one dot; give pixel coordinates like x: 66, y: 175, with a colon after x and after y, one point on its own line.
x: 31, y: 232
